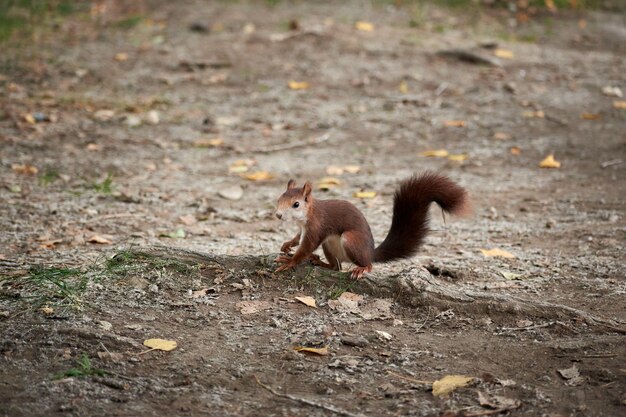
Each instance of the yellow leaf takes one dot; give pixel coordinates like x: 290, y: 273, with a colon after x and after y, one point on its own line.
x: 449, y: 383
x: 310, y: 301
x: 549, y: 162
x: 259, y: 176
x: 46, y: 310
x: 550, y: 5
x: 454, y: 123
x: 497, y: 253
x: 539, y: 114
x: 364, y: 26
x: 458, y: 157
x: 323, y: 351
x: 352, y: 169
x: 503, y: 53
x: 515, y: 150
x: 30, y: 118
x: 208, y: 143
x: 619, y: 104
x: 502, y: 136
x: 237, y: 169
x: 403, y: 87
x: 160, y: 344
x: 99, y: 239
x: 365, y: 194
x: 331, y: 180
x: 121, y: 56
x: 298, y: 85
x: 24, y: 169
x: 590, y: 116
x: 334, y: 170
x: 437, y: 153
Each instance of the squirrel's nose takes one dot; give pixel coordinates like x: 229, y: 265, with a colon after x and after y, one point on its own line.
x: 280, y: 216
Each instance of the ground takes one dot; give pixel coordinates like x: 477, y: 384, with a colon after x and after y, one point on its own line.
x: 120, y: 133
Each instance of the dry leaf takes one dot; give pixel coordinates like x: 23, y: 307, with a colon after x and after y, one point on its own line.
x: 24, y: 169
x: 310, y: 301
x: 384, y: 335
x: 298, y: 85
x: 454, y: 123
x: 188, y: 219
x: 458, y: 157
x: 590, y: 116
x: 29, y: 118
x: 516, y: 150
x: 550, y: 5
x: 365, y: 194
x: 199, y: 293
x: 539, y: 114
x: 352, y: 169
x: 503, y: 53
x: 334, y: 170
x: 208, y: 143
x: 251, y: 307
x: 364, y: 26
x: 403, y: 87
x: 449, y: 383
x: 323, y: 351
x: 99, y: 239
x: 619, y: 104
x: 259, y: 176
x: 92, y: 147
x: 502, y: 136
x: 249, y: 28
x: 47, y: 310
x: 160, y: 344
x: 549, y: 162
x: 612, y: 91
x: 121, y: 56
x: 497, y: 253
x: 437, y: 153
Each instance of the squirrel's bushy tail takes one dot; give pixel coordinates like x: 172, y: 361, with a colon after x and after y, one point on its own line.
x: 409, y: 224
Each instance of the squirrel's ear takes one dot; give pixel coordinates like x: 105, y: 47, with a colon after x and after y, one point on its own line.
x: 306, y: 190
x: 291, y: 184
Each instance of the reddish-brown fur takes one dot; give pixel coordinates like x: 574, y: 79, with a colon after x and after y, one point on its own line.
x: 409, y: 225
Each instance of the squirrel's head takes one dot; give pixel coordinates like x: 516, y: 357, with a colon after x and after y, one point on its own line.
x: 294, y: 204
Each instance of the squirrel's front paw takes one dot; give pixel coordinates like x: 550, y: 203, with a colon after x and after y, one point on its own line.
x: 282, y: 259
x: 286, y: 247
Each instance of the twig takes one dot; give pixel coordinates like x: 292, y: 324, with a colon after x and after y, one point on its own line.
x: 536, y: 326
x: 292, y: 145
x: 490, y: 412
x: 406, y: 378
x: 330, y: 408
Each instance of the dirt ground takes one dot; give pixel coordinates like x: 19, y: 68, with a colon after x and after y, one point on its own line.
x: 134, y: 120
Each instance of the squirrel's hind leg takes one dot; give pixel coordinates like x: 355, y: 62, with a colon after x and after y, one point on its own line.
x: 333, y: 262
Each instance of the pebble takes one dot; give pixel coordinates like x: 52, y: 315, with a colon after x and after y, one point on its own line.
x: 233, y: 192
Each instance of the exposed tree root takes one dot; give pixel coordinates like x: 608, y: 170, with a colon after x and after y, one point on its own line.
x: 413, y: 288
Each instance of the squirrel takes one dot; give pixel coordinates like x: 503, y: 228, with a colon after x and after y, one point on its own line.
x: 344, y: 233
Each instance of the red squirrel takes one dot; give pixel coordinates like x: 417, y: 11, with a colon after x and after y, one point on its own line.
x: 346, y: 236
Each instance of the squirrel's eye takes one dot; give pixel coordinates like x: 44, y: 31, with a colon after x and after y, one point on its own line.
x: 296, y: 204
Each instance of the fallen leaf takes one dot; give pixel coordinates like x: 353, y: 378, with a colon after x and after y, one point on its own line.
x: 177, y: 234
x: 298, y: 85
x: 569, y: 373
x: 516, y: 150
x: 199, y: 293
x: 352, y: 169
x: 458, y: 157
x: 384, y: 335
x: 323, y: 351
x: 47, y: 310
x: 350, y: 296
x: 619, y: 104
x: 99, y: 239
x: 612, y: 91
x: 510, y: 275
x: 259, y: 176
x: 497, y: 253
x: 365, y: 194
x: 550, y: 5
x: 153, y: 117
x: 454, y: 123
x: 502, y: 136
x: 24, y: 169
x: 253, y: 306
x: 590, y: 116
x: 92, y: 147
x: 436, y: 153
x: 104, y: 115
x: 249, y: 28
x: 188, y: 219
x: 549, y: 162
x: 30, y: 119
x: 208, y: 143
x: 364, y: 26
x: 403, y: 87
x: 121, y: 57
x: 449, y: 383
x: 539, y: 114
x: 160, y: 344
x: 334, y: 170
x: 310, y: 301
x: 503, y: 53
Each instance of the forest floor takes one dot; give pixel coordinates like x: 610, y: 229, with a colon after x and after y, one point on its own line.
x: 178, y: 126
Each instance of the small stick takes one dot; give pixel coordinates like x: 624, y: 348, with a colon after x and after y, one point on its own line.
x: 292, y: 145
x: 536, y: 326
x: 490, y: 412
x: 330, y: 408
x: 406, y: 378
